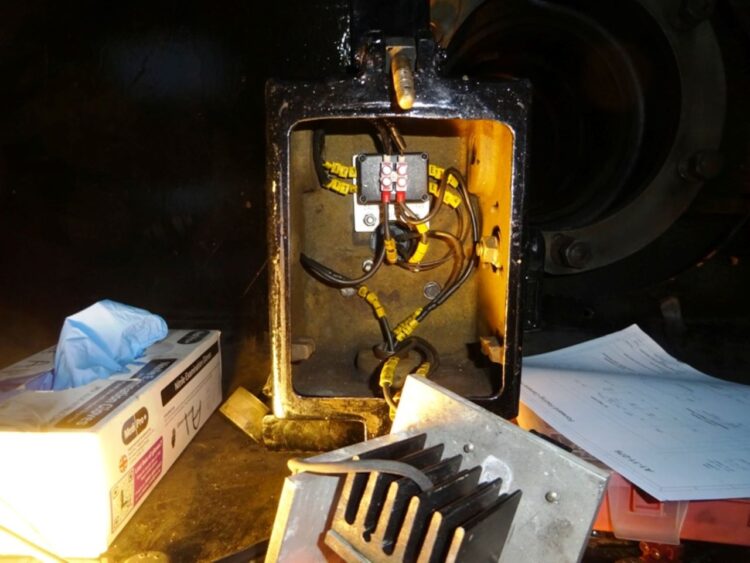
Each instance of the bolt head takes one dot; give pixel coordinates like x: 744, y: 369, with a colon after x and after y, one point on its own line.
x: 488, y: 251
x: 369, y: 220
x: 468, y: 448
x: 552, y: 496
x: 578, y: 254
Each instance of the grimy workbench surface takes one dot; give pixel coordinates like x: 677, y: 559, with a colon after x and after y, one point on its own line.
x: 218, y: 498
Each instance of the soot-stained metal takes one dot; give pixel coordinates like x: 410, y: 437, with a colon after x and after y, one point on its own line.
x: 369, y: 95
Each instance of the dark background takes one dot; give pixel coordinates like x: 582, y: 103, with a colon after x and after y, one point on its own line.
x: 132, y: 157
x: 132, y: 168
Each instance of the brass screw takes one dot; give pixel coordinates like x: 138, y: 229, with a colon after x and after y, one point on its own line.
x: 403, y: 80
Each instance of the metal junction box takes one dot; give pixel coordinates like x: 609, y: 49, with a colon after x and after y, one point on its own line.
x: 325, y: 339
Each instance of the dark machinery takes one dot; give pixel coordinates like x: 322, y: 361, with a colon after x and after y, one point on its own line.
x: 393, y: 194
x: 629, y: 111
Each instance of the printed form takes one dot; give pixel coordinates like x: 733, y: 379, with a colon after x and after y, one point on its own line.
x: 673, y: 431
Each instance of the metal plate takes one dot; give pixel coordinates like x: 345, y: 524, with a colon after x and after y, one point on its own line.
x: 543, y: 530
x: 367, y: 216
x: 561, y: 493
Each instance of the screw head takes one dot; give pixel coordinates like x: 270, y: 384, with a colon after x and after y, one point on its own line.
x: 468, y: 448
x: 348, y: 291
x: 552, y: 496
x: 367, y: 265
x: 431, y: 289
x: 369, y: 220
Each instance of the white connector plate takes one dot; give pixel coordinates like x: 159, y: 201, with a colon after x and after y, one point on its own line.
x: 367, y: 215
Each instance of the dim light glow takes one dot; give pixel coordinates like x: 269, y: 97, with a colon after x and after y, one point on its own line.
x: 53, y: 492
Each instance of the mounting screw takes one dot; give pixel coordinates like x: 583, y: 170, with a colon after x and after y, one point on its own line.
x: 468, y: 448
x: 701, y: 166
x: 431, y: 289
x: 367, y: 265
x: 362, y: 157
x: 369, y: 220
x: 552, y: 497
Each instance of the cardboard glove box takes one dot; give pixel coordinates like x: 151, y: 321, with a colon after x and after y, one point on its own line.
x: 76, y: 464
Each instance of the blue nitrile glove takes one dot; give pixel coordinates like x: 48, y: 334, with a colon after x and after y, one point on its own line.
x: 102, y: 340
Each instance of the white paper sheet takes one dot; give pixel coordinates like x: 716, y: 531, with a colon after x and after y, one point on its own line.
x: 673, y: 431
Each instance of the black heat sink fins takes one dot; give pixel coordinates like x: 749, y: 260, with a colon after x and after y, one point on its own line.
x: 383, y: 517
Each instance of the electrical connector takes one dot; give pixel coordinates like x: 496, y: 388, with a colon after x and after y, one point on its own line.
x: 386, y: 178
x: 391, y: 256
x: 340, y: 187
x: 388, y: 371
x: 372, y: 299
x: 437, y: 172
x: 449, y: 198
x: 419, y: 253
x: 404, y: 329
x: 423, y: 369
x: 340, y: 170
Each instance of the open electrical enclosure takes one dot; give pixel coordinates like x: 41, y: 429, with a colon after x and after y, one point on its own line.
x: 339, y: 325
x: 463, y: 143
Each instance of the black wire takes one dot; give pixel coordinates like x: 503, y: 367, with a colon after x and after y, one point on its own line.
x: 385, y: 328
x: 334, y: 279
x: 448, y: 291
x: 398, y: 139
x: 411, y: 218
x: 318, y: 144
x: 427, y: 265
x: 427, y: 350
x: 386, y: 146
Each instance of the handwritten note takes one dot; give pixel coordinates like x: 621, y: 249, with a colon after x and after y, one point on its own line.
x: 677, y: 433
